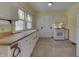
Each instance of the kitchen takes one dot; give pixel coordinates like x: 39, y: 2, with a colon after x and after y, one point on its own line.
x: 14, y: 37
x: 23, y: 25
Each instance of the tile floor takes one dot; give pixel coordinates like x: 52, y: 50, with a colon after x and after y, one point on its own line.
x: 52, y: 48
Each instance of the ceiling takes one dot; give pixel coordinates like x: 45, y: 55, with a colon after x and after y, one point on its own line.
x: 57, y: 6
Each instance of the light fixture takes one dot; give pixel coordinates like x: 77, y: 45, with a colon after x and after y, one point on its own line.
x: 50, y: 3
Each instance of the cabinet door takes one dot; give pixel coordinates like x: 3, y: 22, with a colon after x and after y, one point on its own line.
x: 14, y: 11
x: 5, y: 51
x: 27, y: 45
x: 33, y: 40
x: 37, y: 36
x: 5, y: 10
x: 25, y: 48
x: 8, y: 10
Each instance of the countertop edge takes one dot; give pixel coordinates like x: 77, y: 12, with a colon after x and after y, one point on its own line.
x: 4, y: 44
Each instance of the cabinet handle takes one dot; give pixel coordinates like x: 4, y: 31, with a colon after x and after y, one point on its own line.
x: 19, y: 51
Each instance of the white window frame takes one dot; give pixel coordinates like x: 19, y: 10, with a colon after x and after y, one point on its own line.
x: 20, y: 20
x: 29, y: 21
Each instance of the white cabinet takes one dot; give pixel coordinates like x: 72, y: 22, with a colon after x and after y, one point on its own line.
x: 21, y: 48
x: 5, y: 51
x: 15, y: 49
x: 25, y: 48
x: 4, y: 10
x: 8, y: 10
x: 27, y: 44
x: 14, y: 11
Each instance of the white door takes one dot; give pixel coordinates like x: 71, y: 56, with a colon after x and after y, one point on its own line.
x: 44, y: 24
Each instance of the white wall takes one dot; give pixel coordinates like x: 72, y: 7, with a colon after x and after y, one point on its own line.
x: 46, y: 22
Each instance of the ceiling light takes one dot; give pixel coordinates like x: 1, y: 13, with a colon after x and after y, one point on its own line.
x: 50, y: 4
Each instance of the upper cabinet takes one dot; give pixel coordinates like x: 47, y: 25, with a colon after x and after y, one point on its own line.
x: 14, y: 11
x: 8, y: 10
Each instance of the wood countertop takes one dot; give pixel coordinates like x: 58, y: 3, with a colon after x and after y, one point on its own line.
x: 2, y: 35
x: 12, y: 38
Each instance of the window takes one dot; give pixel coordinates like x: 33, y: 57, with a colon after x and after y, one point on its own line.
x: 29, y: 25
x: 23, y: 22
x: 20, y: 24
x: 20, y: 14
x: 29, y: 22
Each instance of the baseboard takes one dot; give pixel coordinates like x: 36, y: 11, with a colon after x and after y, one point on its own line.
x: 58, y: 40
x: 45, y: 37
x: 66, y: 39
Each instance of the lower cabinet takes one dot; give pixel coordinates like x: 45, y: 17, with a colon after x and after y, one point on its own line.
x: 5, y: 51
x: 27, y: 45
x: 21, y: 48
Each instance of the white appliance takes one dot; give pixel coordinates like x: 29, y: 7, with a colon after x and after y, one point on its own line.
x: 59, y: 34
